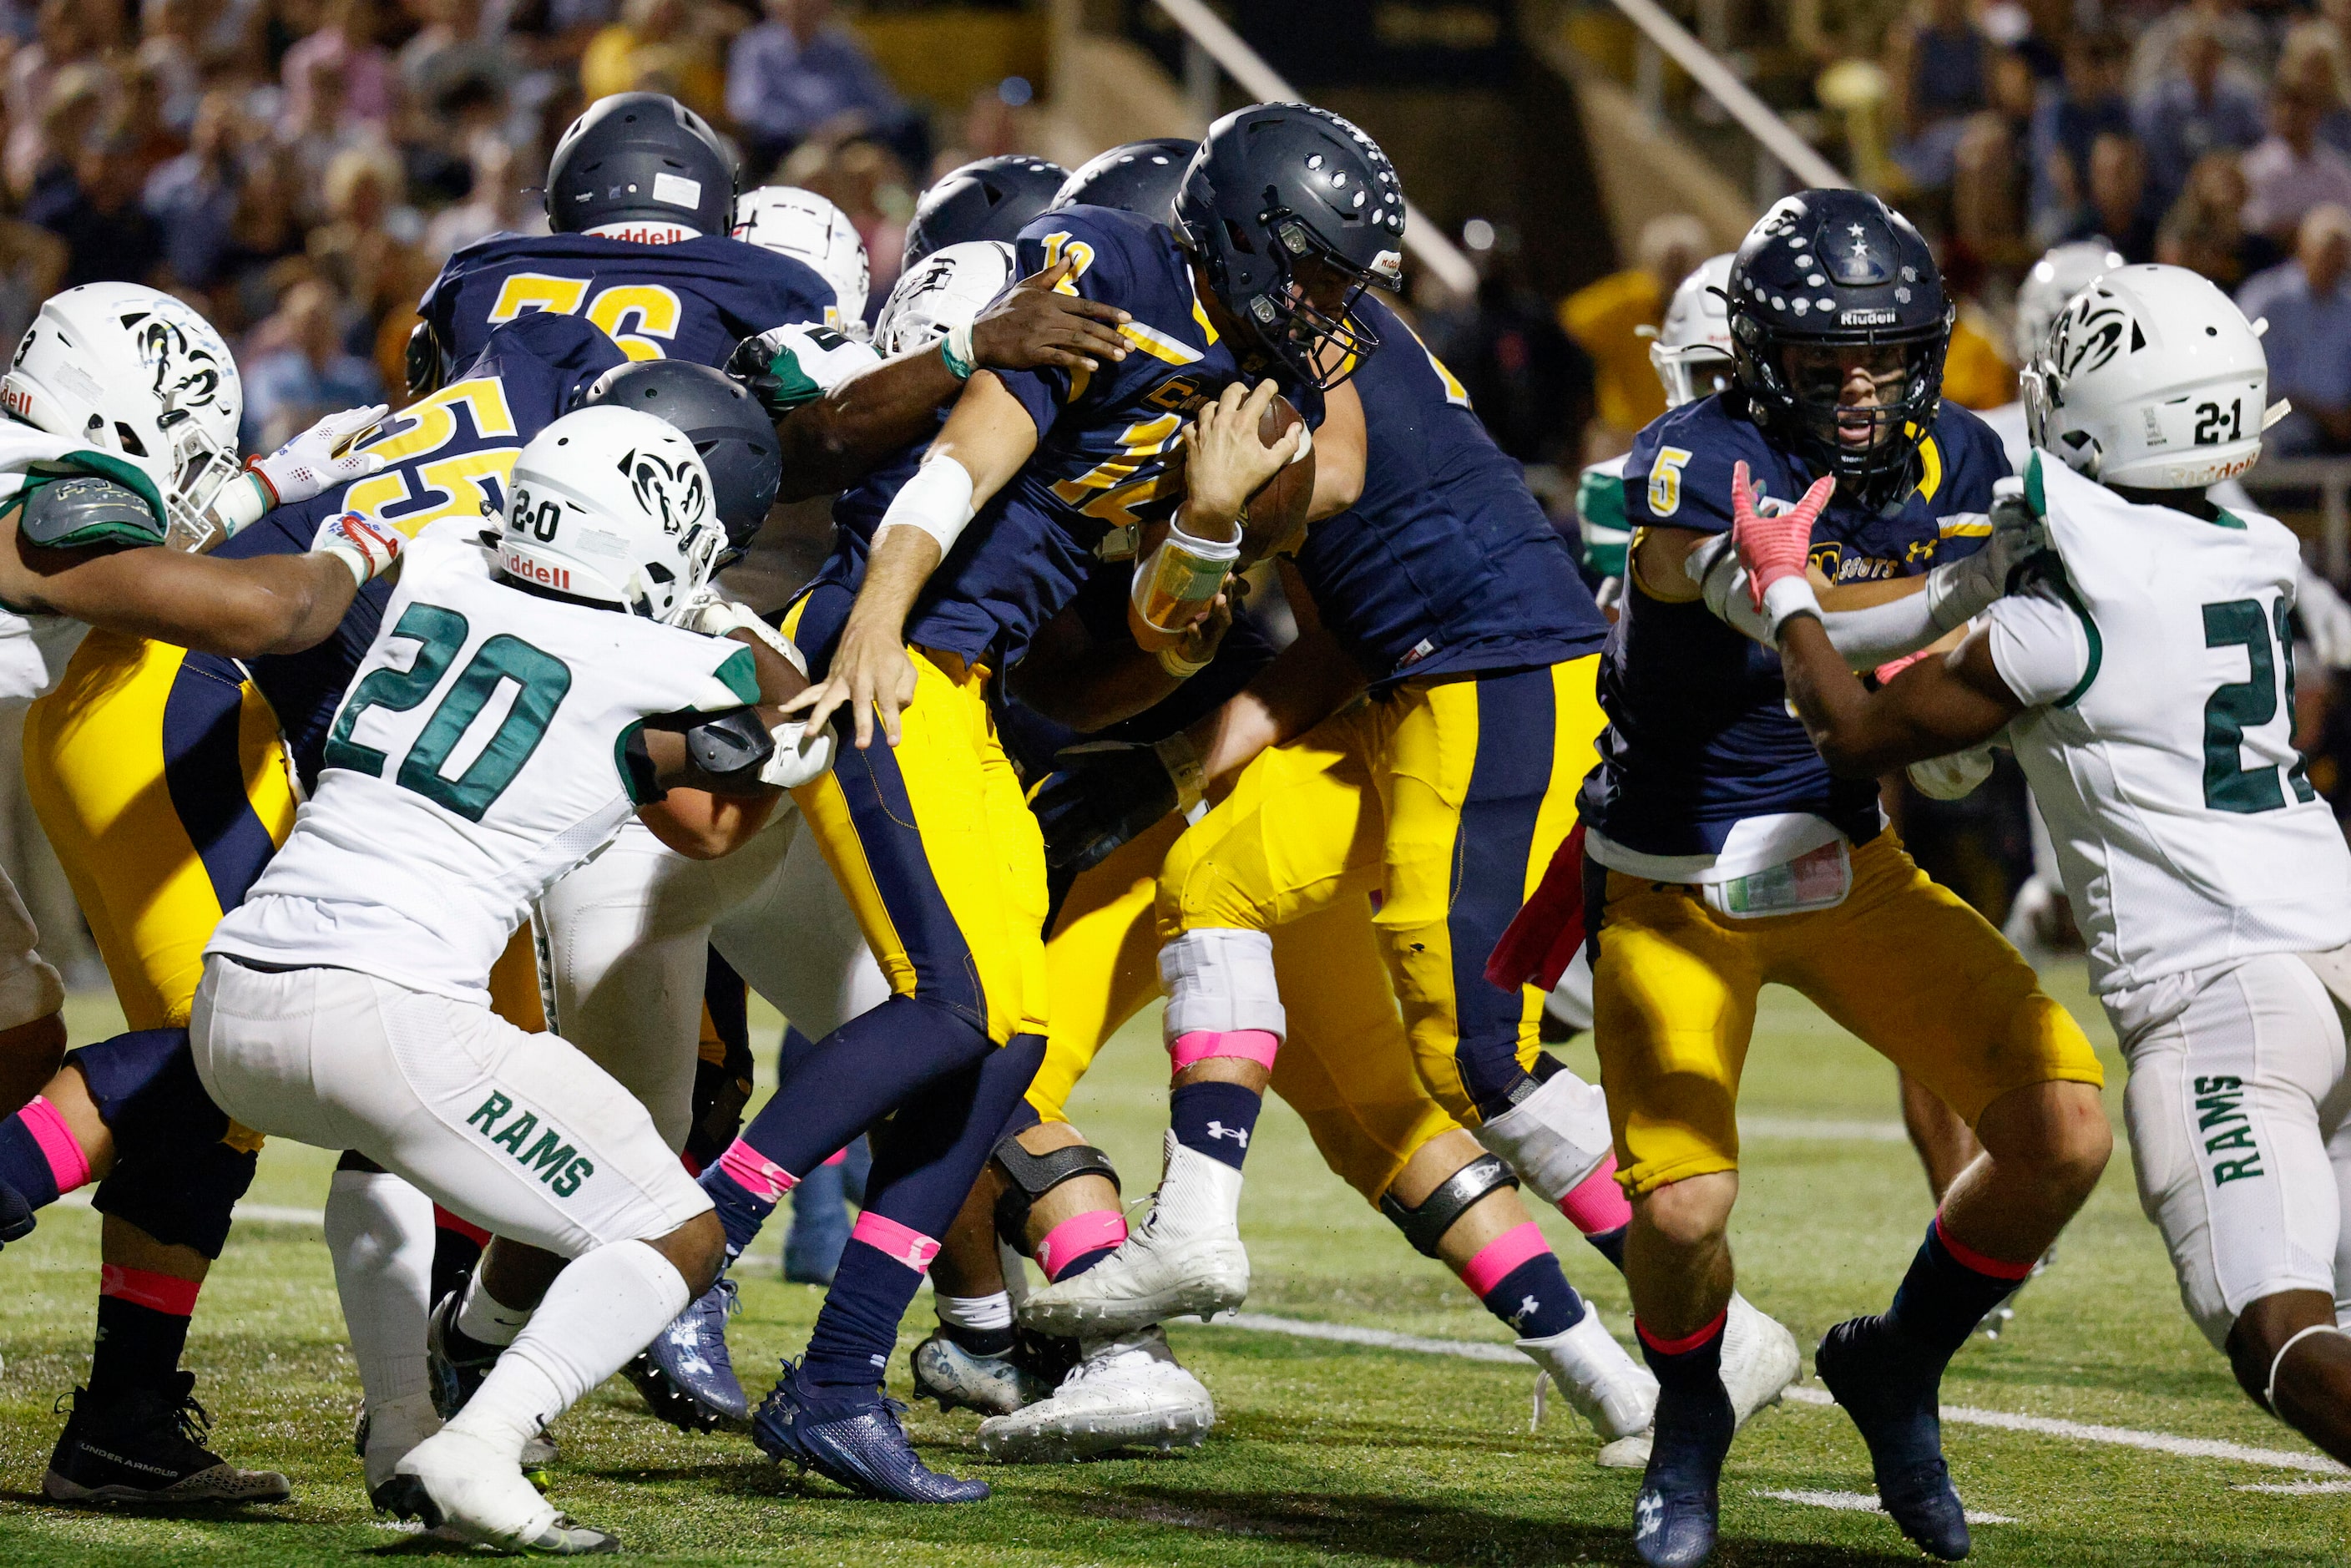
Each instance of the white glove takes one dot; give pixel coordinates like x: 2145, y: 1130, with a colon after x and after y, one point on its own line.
x: 800, y: 756
x: 1960, y: 590
x: 714, y: 616
x: 367, y: 548
x: 1953, y: 776
x: 306, y: 466
x: 2325, y: 620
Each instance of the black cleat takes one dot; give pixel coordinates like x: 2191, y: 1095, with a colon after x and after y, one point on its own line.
x: 1891, y: 1389
x: 1674, y: 1519
x: 16, y: 1215
x: 146, y: 1446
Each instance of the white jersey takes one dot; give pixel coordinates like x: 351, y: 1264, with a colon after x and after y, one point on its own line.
x: 34, y: 648
x: 479, y: 754
x: 2159, y: 677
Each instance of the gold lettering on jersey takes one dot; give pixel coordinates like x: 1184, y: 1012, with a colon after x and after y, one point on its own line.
x: 524, y: 292
x: 1066, y: 247
x: 650, y: 312
x: 1177, y: 394
x: 1113, y: 487
x: 466, y: 484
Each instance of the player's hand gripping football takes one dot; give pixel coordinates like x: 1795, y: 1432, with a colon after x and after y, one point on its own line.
x: 1225, y: 461
x: 1037, y: 324
x: 1774, y: 549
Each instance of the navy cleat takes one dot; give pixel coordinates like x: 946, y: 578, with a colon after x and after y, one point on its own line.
x: 856, y: 1441
x: 686, y: 1374
x: 16, y: 1216
x: 147, y: 1446
x: 1674, y: 1519
x: 1890, y: 1388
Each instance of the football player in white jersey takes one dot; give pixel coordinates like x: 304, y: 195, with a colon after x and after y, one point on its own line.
x: 511, y: 714
x: 2143, y: 673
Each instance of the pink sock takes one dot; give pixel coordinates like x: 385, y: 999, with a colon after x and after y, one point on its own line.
x: 1598, y: 1205
x: 757, y: 1175
x: 1256, y: 1045
x: 1080, y: 1238
x: 68, y: 1164
x: 1496, y: 1259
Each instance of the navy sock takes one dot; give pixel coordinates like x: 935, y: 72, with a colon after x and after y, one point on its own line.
x: 1610, y: 1244
x: 850, y: 1349
x: 1217, y: 1119
x: 1694, y: 1420
x: 979, y: 1342
x: 1535, y: 1299
x: 740, y: 1210
x: 1948, y: 1291
x: 138, y: 1346
x: 1083, y: 1261
x: 22, y: 1165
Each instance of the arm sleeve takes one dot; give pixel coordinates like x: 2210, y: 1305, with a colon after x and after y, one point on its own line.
x: 2038, y: 645
x: 1104, y: 273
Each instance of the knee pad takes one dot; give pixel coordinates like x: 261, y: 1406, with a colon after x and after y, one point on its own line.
x: 1425, y: 1224
x: 181, y: 1198
x: 1031, y: 1176
x: 1220, y: 980
x: 146, y: 1088
x: 1554, y: 1136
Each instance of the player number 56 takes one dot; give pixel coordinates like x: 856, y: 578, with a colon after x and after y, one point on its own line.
x: 1666, y: 481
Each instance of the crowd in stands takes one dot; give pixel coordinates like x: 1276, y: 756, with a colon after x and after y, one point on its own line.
x: 299, y: 169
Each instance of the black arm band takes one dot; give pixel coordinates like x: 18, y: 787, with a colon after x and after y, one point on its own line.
x: 1034, y: 1176
x: 1425, y: 1226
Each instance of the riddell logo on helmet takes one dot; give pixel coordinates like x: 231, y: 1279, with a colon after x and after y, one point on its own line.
x: 515, y: 564
x: 16, y: 401
x: 1878, y: 317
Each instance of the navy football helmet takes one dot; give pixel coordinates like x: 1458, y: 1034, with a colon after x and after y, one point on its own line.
x: 988, y: 198
x: 1140, y: 177
x: 643, y: 158
x: 1277, y: 184
x: 1825, y: 281
x: 733, y: 436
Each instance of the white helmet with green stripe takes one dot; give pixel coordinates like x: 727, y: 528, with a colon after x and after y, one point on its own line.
x: 612, y: 506
x: 143, y: 388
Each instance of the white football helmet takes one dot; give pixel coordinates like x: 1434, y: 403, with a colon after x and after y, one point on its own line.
x: 948, y: 287
x: 612, y: 505
x: 2151, y: 378
x: 1692, y: 352
x: 136, y: 375
x: 2049, y: 286
x: 806, y: 227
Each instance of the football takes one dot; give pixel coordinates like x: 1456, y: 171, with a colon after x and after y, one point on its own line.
x: 1277, y: 513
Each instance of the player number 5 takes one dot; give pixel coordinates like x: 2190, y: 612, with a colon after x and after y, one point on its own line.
x: 1666, y: 481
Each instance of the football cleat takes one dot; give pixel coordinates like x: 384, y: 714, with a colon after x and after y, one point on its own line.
x: 961, y: 1379
x: 384, y: 1436
x: 1675, y: 1516
x: 1890, y: 1388
x: 458, y: 1482
x: 147, y: 1446
x: 1604, y: 1385
x: 686, y: 1376
x: 1129, y: 1392
x: 453, y: 1377
x: 1185, y: 1258
x: 16, y: 1215
x: 856, y: 1441
x: 1759, y: 1359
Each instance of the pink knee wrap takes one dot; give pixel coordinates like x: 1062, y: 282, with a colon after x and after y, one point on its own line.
x: 1497, y: 1257
x: 68, y: 1164
x: 1598, y: 1205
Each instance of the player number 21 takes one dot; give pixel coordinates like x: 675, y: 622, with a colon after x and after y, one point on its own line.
x: 2214, y: 427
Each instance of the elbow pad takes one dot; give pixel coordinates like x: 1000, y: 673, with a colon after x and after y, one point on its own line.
x: 937, y: 500
x: 732, y: 749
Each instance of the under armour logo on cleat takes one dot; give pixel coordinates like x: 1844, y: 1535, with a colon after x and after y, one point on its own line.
x: 1648, y: 1515
x: 1237, y: 1135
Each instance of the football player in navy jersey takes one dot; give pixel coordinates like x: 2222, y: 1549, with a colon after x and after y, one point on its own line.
x: 1720, y: 854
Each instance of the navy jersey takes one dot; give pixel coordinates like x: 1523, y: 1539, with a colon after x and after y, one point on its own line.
x: 1699, y: 734
x: 693, y: 299
x: 1447, y: 564
x: 449, y: 454
x: 1100, y: 467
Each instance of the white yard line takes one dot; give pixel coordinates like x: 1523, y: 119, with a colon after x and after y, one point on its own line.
x: 1862, y: 1502
x: 2292, y: 1488
x: 1807, y: 1394
x: 1835, y: 1130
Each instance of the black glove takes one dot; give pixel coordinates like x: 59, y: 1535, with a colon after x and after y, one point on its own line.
x: 1098, y: 796
x: 766, y: 367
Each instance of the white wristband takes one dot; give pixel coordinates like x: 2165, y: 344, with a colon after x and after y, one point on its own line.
x: 239, y: 503
x: 956, y: 351
x: 1788, y: 596
x: 1182, y: 765
x: 937, y: 500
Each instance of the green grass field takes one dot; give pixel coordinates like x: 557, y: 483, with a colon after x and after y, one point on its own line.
x: 1323, y: 1452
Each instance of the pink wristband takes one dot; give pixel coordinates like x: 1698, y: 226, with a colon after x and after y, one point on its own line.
x: 1249, y: 1044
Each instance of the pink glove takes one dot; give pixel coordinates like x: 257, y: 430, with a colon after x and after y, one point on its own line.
x: 1772, y: 549
x: 1893, y: 667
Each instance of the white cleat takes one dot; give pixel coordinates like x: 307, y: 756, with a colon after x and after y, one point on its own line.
x: 1185, y: 1259
x: 1129, y: 1392
x: 1595, y: 1375
x: 386, y: 1432
x: 459, y: 1481
x: 1759, y: 1359
x: 960, y: 1379
x: 1626, y: 1453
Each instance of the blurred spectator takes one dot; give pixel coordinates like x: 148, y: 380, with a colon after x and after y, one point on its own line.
x: 1529, y: 381
x: 172, y: 45
x: 1938, y: 70
x: 2293, y: 172
x: 2244, y: 45
x: 2193, y: 110
x: 343, y: 62
x: 2121, y: 206
x: 864, y: 179
x: 368, y: 249
x: 1607, y: 318
x: 498, y: 204
x: 2331, y: 33
x: 66, y: 34
x: 801, y: 74
x: 195, y: 195
x: 95, y: 209
x: 42, y: 143
x: 2204, y: 229
x: 265, y: 231
x: 454, y: 43
x: 2069, y: 116
x: 297, y: 370
x: 659, y: 45
x: 1991, y: 176
x: 138, y: 119
x: 2307, y: 301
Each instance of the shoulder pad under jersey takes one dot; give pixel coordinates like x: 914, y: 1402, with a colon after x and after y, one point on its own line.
x: 81, y: 510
